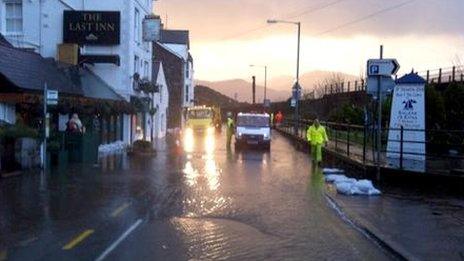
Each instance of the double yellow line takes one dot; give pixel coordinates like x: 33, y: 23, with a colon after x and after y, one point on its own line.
x: 78, y: 239
x: 82, y: 236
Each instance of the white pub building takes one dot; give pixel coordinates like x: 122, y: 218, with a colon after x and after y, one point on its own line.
x: 106, y: 35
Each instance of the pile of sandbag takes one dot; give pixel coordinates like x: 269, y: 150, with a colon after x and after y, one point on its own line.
x: 112, y: 148
x: 351, y: 186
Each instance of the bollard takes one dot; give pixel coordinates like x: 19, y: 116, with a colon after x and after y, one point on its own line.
x: 401, y: 147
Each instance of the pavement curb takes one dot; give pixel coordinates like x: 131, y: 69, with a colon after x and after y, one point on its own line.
x: 380, y: 238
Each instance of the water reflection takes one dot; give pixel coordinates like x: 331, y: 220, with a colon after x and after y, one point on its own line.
x: 202, y: 174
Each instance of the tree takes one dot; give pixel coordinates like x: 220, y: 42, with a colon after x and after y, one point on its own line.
x: 454, y: 105
x: 335, y: 80
x: 435, y: 108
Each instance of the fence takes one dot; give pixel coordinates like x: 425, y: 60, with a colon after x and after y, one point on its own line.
x: 437, y: 76
x: 444, y: 152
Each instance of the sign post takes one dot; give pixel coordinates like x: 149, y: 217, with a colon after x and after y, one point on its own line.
x: 50, y: 97
x: 380, y: 71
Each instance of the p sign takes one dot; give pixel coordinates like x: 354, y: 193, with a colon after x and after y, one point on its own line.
x: 374, y: 70
x: 382, y: 67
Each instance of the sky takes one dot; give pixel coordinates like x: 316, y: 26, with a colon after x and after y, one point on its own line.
x: 337, y: 35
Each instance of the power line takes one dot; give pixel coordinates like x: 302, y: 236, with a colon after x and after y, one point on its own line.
x: 364, y: 18
x: 312, y: 9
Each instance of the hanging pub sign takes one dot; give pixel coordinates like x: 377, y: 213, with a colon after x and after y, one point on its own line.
x: 151, y: 28
x: 91, y: 27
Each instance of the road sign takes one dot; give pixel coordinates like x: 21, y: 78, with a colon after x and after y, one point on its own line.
x: 52, y: 97
x: 267, y: 103
x: 382, y: 67
x: 387, y: 84
x: 293, y: 102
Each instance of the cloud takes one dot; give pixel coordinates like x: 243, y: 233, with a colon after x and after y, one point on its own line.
x: 211, y: 20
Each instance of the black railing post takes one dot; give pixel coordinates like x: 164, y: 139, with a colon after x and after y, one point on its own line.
x: 348, y: 142
x: 401, y: 147
x: 428, y: 76
x: 439, y: 76
x: 454, y: 73
x: 364, y: 144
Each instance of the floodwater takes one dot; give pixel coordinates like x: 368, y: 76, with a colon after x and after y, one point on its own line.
x: 194, y: 200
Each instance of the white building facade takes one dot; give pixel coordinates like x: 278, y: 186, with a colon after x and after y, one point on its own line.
x: 38, y: 25
x: 178, y: 42
x: 160, y: 101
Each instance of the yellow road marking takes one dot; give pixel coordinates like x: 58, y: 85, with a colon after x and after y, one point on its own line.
x: 3, y: 255
x: 78, y: 239
x: 119, y: 210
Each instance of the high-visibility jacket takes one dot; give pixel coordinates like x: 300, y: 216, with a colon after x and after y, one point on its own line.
x: 230, y: 126
x: 316, y: 136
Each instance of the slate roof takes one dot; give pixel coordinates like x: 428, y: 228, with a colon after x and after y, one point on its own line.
x: 411, y: 78
x: 94, y: 87
x: 4, y: 42
x: 30, y: 71
x: 175, y: 37
x: 155, y: 71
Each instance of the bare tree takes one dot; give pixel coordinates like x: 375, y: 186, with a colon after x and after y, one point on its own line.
x: 331, y: 84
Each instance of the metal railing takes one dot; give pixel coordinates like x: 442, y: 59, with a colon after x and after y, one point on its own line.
x: 444, y: 149
x: 437, y: 76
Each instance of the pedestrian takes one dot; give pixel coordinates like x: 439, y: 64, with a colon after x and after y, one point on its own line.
x: 230, y: 128
x: 74, y: 124
x: 272, y: 119
x: 279, y: 118
x: 317, y: 137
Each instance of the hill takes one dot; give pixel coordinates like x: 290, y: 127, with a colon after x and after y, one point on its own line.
x: 308, y: 80
x: 279, y: 88
x: 207, y: 96
x: 242, y: 89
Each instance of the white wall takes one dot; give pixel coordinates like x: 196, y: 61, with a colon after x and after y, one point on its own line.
x: 8, y: 113
x: 162, y: 102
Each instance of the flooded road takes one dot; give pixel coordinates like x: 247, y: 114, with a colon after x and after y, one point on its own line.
x: 196, y: 200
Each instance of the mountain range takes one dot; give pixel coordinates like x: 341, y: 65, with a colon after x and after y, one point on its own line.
x: 279, y: 88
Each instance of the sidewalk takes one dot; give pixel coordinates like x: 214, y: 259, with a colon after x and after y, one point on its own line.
x: 417, y: 227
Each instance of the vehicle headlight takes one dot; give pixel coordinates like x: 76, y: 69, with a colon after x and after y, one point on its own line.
x: 239, y: 134
x: 188, y: 131
x: 266, y: 136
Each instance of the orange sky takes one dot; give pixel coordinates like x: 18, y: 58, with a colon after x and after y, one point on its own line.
x: 228, y: 35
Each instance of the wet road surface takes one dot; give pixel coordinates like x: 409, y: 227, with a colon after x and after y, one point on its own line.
x: 196, y: 201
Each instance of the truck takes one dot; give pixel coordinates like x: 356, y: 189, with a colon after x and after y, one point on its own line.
x: 201, y: 119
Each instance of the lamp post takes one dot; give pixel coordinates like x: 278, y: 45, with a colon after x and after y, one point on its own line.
x: 296, y: 89
x: 265, y: 79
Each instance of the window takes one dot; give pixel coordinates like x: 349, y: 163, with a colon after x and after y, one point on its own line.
x: 186, y: 93
x: 137, y: 25
x: 136, y: 64
x: 14, y: 17
x: 145, y: 69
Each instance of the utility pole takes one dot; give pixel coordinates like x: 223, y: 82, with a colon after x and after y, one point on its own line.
x: 297, y: 85
x: 45, y: 122
x: 379, y: 118
x: 253, y: 86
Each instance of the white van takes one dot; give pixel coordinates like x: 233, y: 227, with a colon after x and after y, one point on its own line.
x: 253, y: 129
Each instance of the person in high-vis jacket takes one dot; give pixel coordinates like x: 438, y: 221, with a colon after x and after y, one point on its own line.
x: 317, y: 137
x: 230, y: 128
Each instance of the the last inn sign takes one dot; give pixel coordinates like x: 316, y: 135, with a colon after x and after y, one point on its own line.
x: 91, y: 27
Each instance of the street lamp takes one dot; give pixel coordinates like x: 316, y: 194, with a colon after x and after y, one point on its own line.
x: 265, y: 78
x: 296, y: 87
